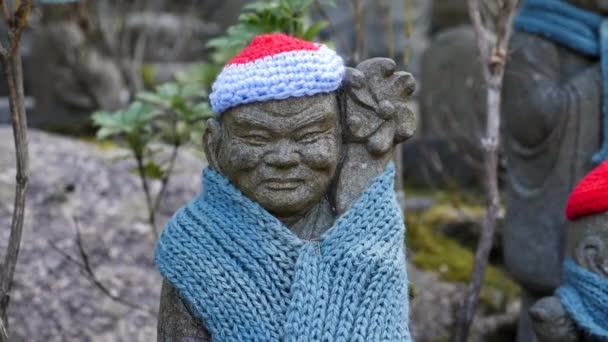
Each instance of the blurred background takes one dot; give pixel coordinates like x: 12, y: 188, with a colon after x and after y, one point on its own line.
x: 116, y: 97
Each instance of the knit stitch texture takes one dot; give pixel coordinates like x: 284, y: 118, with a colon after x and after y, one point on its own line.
x: 590, y: 196
x: 249, y: 278
x: 584, y: 295
x: 578, y: 29
x: 275, y: 67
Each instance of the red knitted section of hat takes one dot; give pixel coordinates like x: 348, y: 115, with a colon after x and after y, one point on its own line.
x: 271, y: 44
x: 590, y: 196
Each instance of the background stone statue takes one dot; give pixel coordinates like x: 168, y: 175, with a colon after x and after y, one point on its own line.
x: 561, y: 317
x: 588, y: 246
x: 552, y: 114
x: 349, y: 138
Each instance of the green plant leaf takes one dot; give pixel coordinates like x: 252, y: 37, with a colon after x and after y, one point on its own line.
x: 314, y: 30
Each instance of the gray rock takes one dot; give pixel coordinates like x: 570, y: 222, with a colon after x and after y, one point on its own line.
x: 52, y: 300
x: 434, y: 309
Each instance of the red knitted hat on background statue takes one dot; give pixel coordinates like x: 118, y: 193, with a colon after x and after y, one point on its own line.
x: 590, y: 196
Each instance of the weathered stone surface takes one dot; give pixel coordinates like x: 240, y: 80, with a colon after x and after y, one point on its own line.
x: 52, y: 300
x: 72, y: 77
x: 552, y: 113
x: 452, y: 111
x: 551, y: 322
x: 552, y: 126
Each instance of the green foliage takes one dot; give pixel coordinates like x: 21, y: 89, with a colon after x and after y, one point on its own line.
x: 132, y: 124
x: 287, y: 16
x: 173, y: 113
x: 168, y: 114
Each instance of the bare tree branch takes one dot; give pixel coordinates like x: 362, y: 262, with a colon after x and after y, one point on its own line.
x: 359, y: 18
x: 13, y: 71
x: 493, y: 60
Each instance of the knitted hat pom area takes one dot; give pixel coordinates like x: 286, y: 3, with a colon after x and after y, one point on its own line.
x: 276, y: 66
x: 590, y: 196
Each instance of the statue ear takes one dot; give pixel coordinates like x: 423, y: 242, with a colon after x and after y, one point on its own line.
x: 211, y: 142
x: 591, y: 253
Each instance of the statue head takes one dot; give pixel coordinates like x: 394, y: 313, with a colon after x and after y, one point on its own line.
x: 588, y: 227
x: 600, y: 6
x: 277, y: 135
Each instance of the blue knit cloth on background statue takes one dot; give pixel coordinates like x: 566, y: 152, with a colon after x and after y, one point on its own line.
x: 577, y: 29
x: 249, y: 278
x: 584, y: 294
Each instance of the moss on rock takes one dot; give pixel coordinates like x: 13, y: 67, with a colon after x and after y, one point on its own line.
x: 431, y: 250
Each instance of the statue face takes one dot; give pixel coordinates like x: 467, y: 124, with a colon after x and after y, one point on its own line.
x: 282, y: 154
x: 588, y: 242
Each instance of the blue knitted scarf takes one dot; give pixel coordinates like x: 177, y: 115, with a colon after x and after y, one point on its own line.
x: 577, y: 29
x: 584, y: 294
x: 249, y: 278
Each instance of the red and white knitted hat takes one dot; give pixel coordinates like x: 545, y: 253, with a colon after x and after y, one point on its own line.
x: 590, y: 196
x: 274, y: 67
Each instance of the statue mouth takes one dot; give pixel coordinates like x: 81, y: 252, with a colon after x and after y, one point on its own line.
x: 283, y: 184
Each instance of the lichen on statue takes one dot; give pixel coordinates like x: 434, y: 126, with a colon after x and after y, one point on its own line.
x: 299, y: 168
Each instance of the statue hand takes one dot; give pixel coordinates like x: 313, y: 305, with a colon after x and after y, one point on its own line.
x: 376, y: 119
x: 376, y: 111
x: 551, y: 322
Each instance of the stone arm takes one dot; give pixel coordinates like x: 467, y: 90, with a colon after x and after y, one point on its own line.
x: 538, y: 94
x: 375, y: 119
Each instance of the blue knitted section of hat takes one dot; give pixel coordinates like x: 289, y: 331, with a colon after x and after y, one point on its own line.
x: 293, y: 73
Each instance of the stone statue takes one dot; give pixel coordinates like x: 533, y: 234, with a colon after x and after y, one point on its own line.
x: 552, y: 114
x: 579, y: 309
x: 306, y: 159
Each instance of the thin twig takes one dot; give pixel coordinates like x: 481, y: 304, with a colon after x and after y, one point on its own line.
x: 164, y: 183
x: 389, y: 33
x: 493, y: 64
x: 5, y: 11
x: 85, y: 268
x: 3, y: 332
x: 359, y: 19
x: 147, y: 192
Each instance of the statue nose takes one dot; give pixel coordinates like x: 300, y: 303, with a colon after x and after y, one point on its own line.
x: 283, y: 156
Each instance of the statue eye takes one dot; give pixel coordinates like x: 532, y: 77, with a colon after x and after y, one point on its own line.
x: 256, y: 139
x: 309, y: 137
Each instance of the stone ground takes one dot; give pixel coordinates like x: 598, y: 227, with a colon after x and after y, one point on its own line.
x: 73, y: 180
